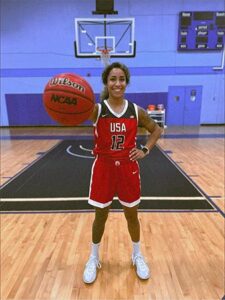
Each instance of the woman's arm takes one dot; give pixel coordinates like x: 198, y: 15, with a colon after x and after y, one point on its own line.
x: 144, y: 120
x: 93, y: 116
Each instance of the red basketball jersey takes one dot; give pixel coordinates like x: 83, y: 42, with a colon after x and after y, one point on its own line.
x: 115, y: 134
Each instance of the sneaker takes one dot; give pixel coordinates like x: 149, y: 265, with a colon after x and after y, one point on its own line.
x: 90, y: 271
x: 142, y: 268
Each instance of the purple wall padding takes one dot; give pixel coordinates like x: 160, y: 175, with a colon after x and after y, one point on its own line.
x: 28, y: 109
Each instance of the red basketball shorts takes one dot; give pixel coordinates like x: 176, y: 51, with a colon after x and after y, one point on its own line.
x: 110, y: 178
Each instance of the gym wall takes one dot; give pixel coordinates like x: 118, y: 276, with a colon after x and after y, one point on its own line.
x: 37, y: 42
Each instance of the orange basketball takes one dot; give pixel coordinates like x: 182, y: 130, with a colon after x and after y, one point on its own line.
x: 68, y: 99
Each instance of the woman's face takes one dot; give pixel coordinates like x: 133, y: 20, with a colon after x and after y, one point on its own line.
x: 116, y: 83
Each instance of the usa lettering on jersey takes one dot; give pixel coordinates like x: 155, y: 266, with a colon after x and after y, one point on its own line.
x: 115, y: 135
x: 117, y: 127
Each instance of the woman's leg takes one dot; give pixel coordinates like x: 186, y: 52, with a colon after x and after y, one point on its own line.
x: 131, y: 214
x: 98, y: 226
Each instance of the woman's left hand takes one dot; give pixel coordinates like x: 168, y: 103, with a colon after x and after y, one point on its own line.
x: 136, y: 154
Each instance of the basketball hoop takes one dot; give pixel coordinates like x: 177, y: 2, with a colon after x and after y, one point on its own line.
x: 105, y: 56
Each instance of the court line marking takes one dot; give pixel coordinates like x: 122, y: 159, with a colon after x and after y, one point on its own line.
x: 87, y: 198
x: 85, y: 149
x: 146, y: 198
x: 111, y: 210
x: 77, y: 155
x: 28, y: 166
x: 207, y: 198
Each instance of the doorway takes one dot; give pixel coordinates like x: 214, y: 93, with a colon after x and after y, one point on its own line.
x: 184, y: 105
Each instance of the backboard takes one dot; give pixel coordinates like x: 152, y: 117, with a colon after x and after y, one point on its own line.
x: 94, y: 35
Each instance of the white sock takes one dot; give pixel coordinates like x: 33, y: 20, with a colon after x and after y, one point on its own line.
x: 136, y: 248
x: 94, y: 250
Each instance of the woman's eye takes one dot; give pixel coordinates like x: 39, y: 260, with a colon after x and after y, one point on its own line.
x: 115, y: 79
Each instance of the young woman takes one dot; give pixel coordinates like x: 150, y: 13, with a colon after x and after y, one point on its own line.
x: 115, y: 170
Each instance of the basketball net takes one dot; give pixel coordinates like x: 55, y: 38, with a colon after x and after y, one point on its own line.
x: 105, y: 56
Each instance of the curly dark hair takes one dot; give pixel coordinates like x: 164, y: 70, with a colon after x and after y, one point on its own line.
x: 105, y: 74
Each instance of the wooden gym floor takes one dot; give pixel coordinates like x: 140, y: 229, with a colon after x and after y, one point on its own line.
x: 43, y: 255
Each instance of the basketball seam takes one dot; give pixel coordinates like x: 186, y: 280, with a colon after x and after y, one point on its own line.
x: 70, y: 92
x: 67, y: 113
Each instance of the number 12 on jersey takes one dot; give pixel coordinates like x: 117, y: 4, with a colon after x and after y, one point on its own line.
x: 118, y: 142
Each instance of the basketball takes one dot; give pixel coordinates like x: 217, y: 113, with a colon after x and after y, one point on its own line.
x: 68, y: 99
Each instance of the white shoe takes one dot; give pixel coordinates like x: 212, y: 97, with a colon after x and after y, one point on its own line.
x: 142, y: 268
x: 90, y: 271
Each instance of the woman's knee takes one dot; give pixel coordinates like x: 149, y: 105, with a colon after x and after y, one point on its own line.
x: 101, y: 214
x: 131, y: 214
